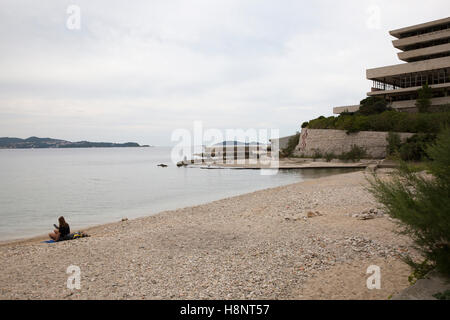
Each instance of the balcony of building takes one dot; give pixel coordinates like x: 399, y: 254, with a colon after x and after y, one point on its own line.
x: 437, y: 51
x: 411, y: 80
x: 422, y: 41
x: 441, y: 89
x: 422, y: 28
x: 405, y: 68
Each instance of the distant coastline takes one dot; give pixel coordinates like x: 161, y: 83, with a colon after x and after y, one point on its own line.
x: 44, y: 143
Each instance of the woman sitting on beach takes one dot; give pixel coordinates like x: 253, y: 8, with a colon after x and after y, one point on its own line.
x: 60, y: 232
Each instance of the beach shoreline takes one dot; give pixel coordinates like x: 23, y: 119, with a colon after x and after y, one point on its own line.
x: 297, y: 241
x: 34, y: 238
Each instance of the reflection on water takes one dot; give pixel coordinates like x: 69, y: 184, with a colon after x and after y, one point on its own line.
x: 93, y: 186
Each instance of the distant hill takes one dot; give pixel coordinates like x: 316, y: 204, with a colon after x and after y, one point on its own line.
x: 40, y: 143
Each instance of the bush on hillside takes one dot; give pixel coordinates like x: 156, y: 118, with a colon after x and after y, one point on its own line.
x: 394, y: 143
x: 422, y: 205
x: 329, y: 156
x: 414, y: 149
x: 292, y: 143
x: 423, y: 103
x: 372, y: 105
x: 356, y: 153
x: 386, y: 121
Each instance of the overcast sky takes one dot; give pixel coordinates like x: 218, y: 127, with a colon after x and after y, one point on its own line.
x: 137, y: 70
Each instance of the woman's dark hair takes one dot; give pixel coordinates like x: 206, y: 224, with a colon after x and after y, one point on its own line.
x: 62, y: 222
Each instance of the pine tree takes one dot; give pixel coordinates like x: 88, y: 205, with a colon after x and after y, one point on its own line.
x: 423, y: 102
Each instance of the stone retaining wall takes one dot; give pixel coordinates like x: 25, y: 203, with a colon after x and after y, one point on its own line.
x: 338, y: 141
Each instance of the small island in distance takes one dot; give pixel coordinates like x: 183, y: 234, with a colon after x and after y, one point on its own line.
x: 35, y: 142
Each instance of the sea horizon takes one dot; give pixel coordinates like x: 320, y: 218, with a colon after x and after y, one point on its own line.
x: 92, y: 186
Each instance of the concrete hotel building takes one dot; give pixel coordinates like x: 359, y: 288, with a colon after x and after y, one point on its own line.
x: 426, y: 50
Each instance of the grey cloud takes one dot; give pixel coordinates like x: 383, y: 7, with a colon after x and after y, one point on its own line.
x: 138, y: 70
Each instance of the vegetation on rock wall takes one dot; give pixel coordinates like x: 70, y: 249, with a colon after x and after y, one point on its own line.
x: 390, y: 120
x: 413, y: 149
x: 292, y: 143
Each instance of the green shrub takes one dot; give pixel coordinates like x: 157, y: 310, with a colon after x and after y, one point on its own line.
x: 292, y: 143
x: 305, y: 124
x: 355, y: 154
x: 394, y: 143
x: 414, y: 149
x: 420, y: 271
x: 390, y: 120
x: 418, y: 166
x: 329, y: 156
x: 439, y: 153
x: 372, y: 105
x: 422, y: 204
x: 442, y: 295
x: 423, y: 103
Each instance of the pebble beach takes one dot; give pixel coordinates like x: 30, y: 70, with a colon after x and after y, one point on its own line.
x: 309, y: 240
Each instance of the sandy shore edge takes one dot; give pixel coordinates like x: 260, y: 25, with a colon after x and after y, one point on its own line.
x: 297, y: 241
x: 93, y: 228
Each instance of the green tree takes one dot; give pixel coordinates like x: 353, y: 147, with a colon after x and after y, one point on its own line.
x: 394, y: 143
x: 423, y: 102
x: 372, y: 105
x: 422, y: 204
x: 414, y: 148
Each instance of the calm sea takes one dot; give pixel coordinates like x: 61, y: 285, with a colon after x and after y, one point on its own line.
x: 100, y: 185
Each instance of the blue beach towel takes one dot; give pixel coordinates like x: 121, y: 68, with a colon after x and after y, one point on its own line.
x: 71, y: 236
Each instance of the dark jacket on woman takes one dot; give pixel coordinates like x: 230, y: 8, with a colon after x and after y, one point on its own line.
x: 63, y: 231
